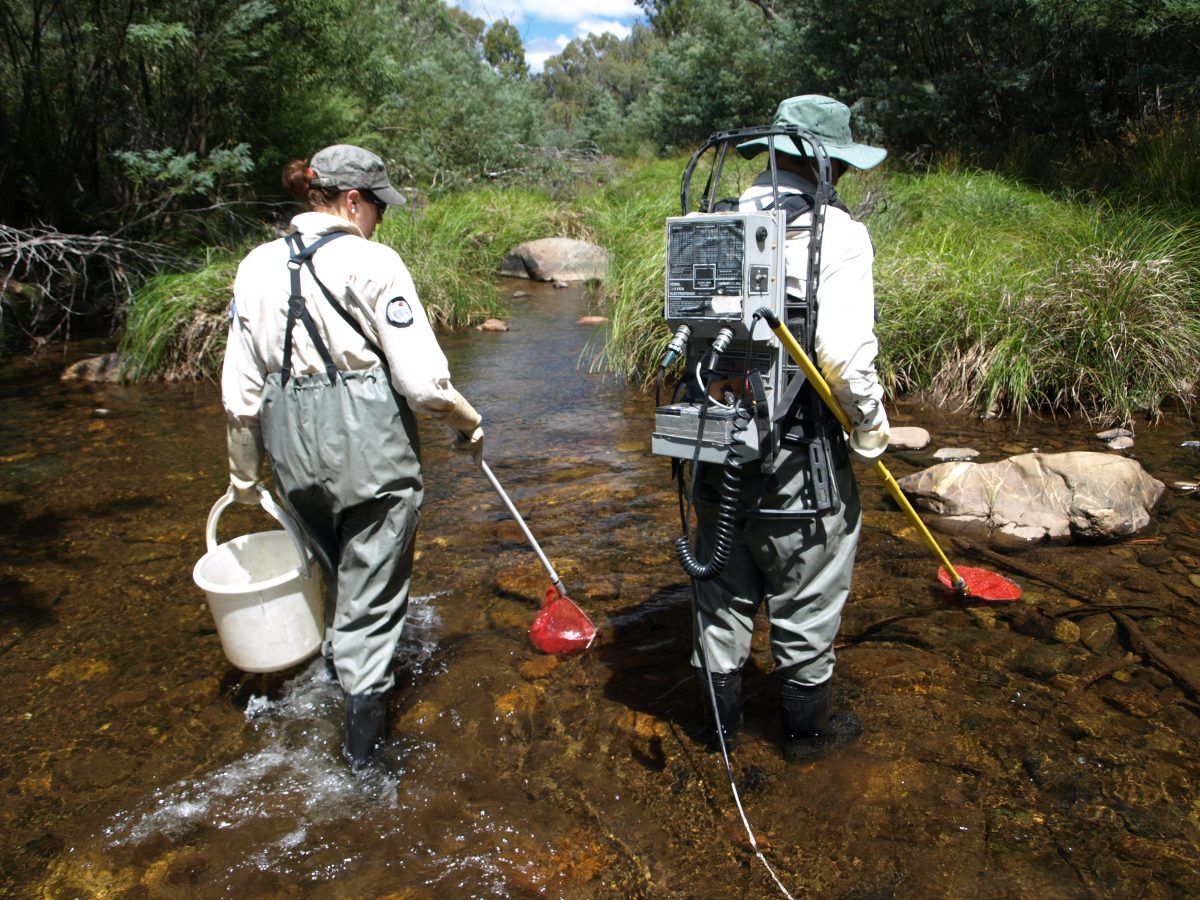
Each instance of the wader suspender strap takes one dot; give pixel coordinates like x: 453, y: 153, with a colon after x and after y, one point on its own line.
x: 792, y: 409
x: 298, y: 310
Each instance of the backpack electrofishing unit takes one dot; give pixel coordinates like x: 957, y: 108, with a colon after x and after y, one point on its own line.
x: 741, y: 397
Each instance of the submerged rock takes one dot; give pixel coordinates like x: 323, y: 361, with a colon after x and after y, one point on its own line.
x: 492, y: 325
x: 908, y: 437
x: 1096, y: 632
x: 106, y: 368
x: 1037, y: 496
x: 1044, y: 661
x: 948, y: 454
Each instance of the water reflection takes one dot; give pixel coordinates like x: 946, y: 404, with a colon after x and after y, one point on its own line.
x: 1006, y: 750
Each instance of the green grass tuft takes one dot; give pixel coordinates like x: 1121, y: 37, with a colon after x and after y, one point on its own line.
x: 628, y: 218
x: 455, y: 244
x: 176, y: 324
x: 1004, y: 299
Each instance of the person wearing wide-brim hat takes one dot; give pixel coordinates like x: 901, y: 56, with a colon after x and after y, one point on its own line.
x: 800, y: 569
x: 329, y: 353
x: 829, y: 122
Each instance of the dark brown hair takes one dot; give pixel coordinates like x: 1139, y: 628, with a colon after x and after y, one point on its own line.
x: 297, y: 180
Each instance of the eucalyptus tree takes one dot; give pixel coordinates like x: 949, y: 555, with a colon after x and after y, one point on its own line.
x: 504, y: 50
x: 1003, y: 78
x: 594, y: 89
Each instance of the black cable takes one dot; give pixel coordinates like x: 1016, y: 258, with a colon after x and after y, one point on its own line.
x: 726, y: 528
x: 728, y: 504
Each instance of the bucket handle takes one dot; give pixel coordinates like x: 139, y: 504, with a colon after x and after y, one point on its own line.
x: 273, y: 509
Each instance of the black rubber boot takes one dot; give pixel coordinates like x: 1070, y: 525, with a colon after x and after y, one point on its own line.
x: 728, y: 688
x: 809, y: 729
x: 364, y: 728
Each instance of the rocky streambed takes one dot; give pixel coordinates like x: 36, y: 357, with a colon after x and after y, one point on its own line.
x: 1047, y: 746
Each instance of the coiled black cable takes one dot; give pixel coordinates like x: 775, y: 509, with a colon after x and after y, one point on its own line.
x: 724, y: 534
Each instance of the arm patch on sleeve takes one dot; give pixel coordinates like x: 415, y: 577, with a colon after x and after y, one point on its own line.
x: 399, y: 313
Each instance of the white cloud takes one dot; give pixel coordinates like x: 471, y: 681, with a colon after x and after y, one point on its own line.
x: 602, y: 26
x: 564, y: 11
x: 578, y: 10
x: 537, y: 20
x: 539, y: 50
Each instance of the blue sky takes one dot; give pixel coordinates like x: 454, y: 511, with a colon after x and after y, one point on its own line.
x: 546, y: 26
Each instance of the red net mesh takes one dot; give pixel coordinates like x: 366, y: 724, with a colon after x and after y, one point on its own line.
x: 561, y: 626
x: 982, y: 585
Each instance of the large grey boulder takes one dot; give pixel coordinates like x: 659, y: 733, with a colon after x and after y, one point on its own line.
x: 556, y: 259
x: 1092, y: 496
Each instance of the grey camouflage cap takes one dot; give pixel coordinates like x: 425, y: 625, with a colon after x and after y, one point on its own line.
x: 345, y: 166
x: 826, y: 118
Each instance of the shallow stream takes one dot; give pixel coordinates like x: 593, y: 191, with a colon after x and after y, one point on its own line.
x: 1007, y: 751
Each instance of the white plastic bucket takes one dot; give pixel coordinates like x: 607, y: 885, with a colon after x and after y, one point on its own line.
x: 264, y: 594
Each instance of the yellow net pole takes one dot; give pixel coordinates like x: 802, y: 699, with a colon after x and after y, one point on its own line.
x: 817, y: 380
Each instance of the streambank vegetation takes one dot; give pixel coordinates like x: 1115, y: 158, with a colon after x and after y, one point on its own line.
x: 993, y: 296
x: 1035, y: 225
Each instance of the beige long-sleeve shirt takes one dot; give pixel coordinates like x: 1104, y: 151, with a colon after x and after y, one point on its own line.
x: 845, y: 342
x: 370, y: 281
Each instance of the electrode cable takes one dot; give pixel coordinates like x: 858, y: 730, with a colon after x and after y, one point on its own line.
x: 682, y: 549
x: 712, y: 698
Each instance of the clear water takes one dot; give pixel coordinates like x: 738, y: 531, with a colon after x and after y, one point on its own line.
x: 134, y: 762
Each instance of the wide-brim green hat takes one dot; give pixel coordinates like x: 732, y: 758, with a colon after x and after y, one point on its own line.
x: 828, y: 120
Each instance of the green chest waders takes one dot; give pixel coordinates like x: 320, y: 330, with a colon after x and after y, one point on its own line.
x: 346, y: 457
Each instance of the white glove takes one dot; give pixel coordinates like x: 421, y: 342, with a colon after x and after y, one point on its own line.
x: 461, y: 416
x: 470, y: 443
x: 870, y: 443
x: 245, y: 460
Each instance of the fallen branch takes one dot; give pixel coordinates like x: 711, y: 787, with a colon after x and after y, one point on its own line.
x: 1092, y: 602
x: 1102, y: 671
x: 1151, y: 651
x: 63, y: 267
x: 1139, y: 643
x: 1031, y: 571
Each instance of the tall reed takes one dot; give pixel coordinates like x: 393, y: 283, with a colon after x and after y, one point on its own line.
x: 992, y: 296
x: 1003, y: 299
x: 1156, y: 161
x: 628, y: 217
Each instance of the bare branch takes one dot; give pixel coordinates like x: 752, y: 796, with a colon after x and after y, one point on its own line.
x: 768, y: 9
x: 70, y: 272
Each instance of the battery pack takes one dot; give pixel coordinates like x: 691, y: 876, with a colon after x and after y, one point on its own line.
x: 677, y: 433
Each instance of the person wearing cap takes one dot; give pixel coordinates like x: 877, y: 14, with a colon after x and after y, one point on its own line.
x: 801, y: 568
x: 329, y: 354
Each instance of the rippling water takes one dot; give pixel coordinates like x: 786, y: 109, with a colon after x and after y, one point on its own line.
x: 1003, y: 754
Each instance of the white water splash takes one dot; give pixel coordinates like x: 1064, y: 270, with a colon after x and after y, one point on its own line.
x: 296, y: 781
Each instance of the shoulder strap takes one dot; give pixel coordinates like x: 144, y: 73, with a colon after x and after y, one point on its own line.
x: 794, y: 205
x: 306, y: 256
x: 798, y: 204
x: 298, y: 309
